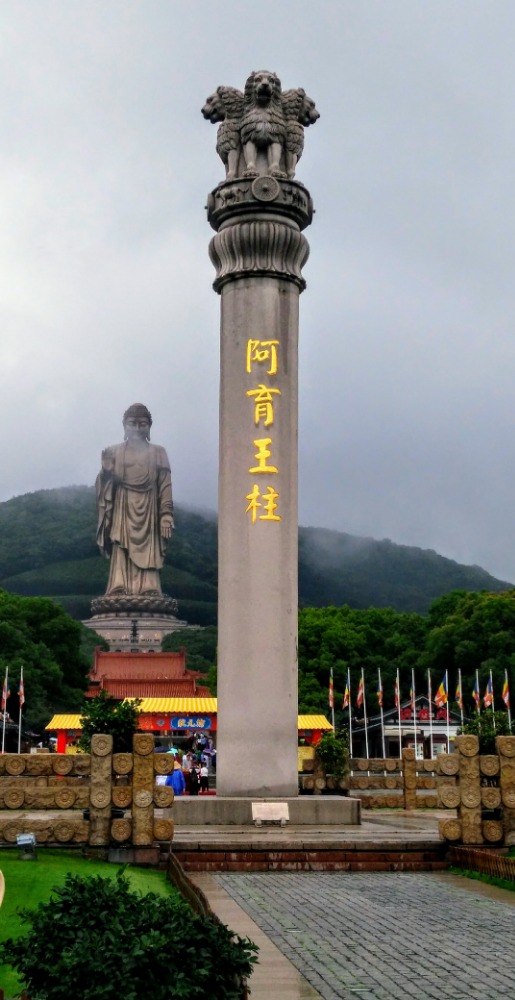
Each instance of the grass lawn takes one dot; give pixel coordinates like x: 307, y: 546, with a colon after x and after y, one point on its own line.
x: 28, y: 883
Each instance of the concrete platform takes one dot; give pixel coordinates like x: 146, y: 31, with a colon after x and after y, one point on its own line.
x: 393, y: 842
x: 304, y: 810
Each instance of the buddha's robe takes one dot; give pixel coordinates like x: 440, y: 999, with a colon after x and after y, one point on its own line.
x: 134, y: 493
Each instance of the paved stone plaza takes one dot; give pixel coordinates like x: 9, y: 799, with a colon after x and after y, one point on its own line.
x: 385, y: 936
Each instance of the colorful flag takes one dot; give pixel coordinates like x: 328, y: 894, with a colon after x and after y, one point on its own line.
x: 379, y: 690
x: 396, y: 695
x: 441, y: 694
x: 21, y: 691
x: 488, y: 696
x: 331, y: 691
x: 458, y: 697
x: 412, y: 696
x: 359, y: 698
x: 346, y: 697
x: 475, y: 693
x: 506, y: 691
x: 5, y: 694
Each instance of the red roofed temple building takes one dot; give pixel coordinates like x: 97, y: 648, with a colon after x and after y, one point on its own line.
x: 145, y: 675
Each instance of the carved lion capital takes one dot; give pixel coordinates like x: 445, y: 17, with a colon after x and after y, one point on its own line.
x: 261, y: 130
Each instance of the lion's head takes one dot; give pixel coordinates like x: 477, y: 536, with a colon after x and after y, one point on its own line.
x: 262, y: 87
x: 308, y: 114
x: 214, y: 110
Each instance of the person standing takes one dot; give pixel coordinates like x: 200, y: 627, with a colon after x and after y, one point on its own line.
x: 204, y: 778
x: 194, y: 780
x: 176, y: 780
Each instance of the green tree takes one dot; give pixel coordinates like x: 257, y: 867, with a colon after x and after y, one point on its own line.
x: 463, y: 631
x: 313, y: 698
x: 472, y: 632
x: 487, y: 726
x: 104, y: 714
x: 200, y: 645
x: 212, y: 680
x: 90, y: 640
x: 333, y: 752
x: 36, y: 634
x: 345, y: 639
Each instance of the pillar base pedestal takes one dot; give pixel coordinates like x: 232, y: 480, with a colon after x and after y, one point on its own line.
x: 304, y: 810
x: 135, y: 632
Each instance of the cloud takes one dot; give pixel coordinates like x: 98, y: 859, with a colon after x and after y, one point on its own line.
x: 407, y: 357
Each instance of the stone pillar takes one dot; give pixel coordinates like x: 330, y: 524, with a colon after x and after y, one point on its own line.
x: 100, y: 791
x: 409, y: 778
x: 143, y: 789
x: 258, y: 253
x: 506, y: 749
x: 469, y: 812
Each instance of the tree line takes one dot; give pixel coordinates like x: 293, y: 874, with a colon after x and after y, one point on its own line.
x: 463, y: 630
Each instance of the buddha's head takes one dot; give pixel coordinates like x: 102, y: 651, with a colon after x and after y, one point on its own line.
x: 137, y: 421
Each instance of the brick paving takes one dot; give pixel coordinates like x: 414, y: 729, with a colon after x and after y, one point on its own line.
x: 383, y: 936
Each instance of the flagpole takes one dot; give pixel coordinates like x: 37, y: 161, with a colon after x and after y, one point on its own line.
x: 399, y: 713
x: 508, y: 702
x: 447, y: 710
x: 4, y: 693
x: 461, y: 699
x: 380, y: 688
x: 350, y: 713
x: 430, y: 698
x: 365, y: 710
x: 413, y: 709
x: 21, y: 703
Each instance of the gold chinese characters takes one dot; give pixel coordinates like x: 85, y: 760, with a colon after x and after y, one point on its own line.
x: 262, y: 504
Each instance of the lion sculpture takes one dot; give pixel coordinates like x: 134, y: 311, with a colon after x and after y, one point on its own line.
x: 300, y: 111
x: 262, y: 129
x: 226, y: 106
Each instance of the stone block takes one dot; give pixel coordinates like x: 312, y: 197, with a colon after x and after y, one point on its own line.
x: 270, y: 812
x: 100, y: 789
x: 143, y: 790
x: 134, y: 855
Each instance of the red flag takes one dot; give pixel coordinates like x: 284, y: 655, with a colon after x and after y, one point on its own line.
x: 396, y: 693
x: 506, y: 692
x: 359, y: 697
x: 331, y: 691
x: 346, y: 697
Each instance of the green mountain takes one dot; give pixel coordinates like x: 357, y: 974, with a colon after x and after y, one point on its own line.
x: 47, y: 548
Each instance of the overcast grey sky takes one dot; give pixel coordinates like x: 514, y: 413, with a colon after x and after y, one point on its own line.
x: 407, y: 344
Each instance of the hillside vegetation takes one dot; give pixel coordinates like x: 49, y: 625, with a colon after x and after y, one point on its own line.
x: 48, y: 548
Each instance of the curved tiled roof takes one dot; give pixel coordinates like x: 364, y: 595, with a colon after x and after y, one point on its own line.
x: 182, y: 706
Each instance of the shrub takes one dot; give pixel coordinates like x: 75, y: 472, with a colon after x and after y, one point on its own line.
x: 104, y: 714
x: 333, y: 753
x: 99, y: 940
x: 487, y: 726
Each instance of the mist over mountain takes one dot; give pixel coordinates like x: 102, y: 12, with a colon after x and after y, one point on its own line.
x: 48, y: 548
